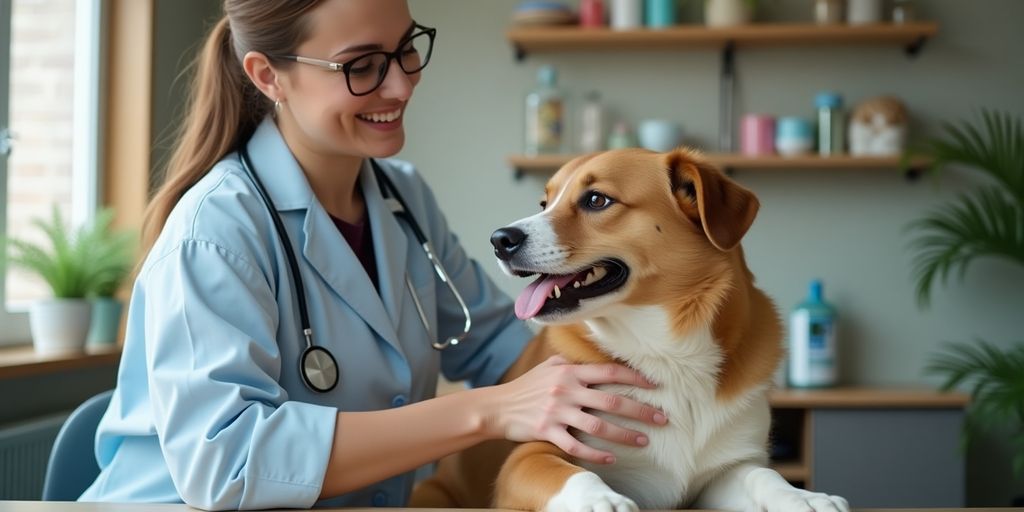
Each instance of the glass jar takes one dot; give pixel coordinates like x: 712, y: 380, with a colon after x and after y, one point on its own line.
x: 828, y: 12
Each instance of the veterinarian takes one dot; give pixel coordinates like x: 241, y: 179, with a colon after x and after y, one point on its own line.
x: 300, y: 294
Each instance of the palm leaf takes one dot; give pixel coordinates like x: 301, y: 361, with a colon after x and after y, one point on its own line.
x: 996, y: 381
x: 995, y: 148
x: 984, y: 223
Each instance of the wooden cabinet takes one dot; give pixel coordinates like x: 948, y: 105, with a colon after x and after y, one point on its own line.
x: 563, y: 39
x: 876, y: 448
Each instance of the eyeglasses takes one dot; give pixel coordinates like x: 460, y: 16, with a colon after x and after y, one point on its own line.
x: 365, y: 73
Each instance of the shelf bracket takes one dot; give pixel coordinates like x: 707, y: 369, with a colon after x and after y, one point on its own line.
x: 914, y: 48
x: 518, y: 174
x: 520, y: 53
x: 726, y: 96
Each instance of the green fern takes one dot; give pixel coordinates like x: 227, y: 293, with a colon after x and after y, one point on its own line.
x: 987, y: 222
x: 90, y: 260
x: 996, y: 381
x: 113, y: 253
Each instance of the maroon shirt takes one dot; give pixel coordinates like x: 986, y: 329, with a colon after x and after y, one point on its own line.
x: 358, y: 238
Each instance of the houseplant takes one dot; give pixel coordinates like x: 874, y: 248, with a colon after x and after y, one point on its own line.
x: 988, y: 221
x: 113, y: 258
x: 65, y: 263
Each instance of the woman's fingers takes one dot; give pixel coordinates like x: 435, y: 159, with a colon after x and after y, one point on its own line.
x: 621, y: 406
x: 598, y: 427
x: 591, y: 374
x: 572, y: 446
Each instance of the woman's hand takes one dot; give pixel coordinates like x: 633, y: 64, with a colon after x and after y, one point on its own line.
x: 542, y: 403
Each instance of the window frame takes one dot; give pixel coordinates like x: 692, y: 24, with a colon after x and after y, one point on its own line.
x: 87, y: 140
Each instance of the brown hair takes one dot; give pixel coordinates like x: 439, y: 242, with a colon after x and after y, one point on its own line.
x: 224, y: 105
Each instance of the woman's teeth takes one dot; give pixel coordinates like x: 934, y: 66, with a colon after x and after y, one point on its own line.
x: 381, y: 117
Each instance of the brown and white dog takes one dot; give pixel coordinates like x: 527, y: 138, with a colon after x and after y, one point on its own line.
x: 639, y: 262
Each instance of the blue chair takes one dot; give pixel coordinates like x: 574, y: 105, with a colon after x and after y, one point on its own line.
x: 72, y: 467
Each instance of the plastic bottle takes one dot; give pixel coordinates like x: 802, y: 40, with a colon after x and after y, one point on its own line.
x: 621, y: 137
x: 831, y: 123
x: 545, y: 115
x: 812, y: 342
x: 593, y: 123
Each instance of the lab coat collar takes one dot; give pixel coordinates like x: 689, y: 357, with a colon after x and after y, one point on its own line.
x: 324, y: 247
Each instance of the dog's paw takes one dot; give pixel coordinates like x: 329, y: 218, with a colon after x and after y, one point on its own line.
x: 586, y: 492
x: 799, y: 500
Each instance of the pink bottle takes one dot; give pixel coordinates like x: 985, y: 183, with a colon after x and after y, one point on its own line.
x: 757, y: 135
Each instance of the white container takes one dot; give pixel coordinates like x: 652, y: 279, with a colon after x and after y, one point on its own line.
x: 659, y: 135
x: 727, y: 13
x: 828, y: 12
x: 863, y: 12
x: 626, y: 14
x: 59, y: 325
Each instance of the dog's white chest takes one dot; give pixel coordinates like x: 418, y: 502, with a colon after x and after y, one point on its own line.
x: 703, y: 435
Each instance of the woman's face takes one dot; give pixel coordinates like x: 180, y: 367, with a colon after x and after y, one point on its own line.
x: 332, y: 119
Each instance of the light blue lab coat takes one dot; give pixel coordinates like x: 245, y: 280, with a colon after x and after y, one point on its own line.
x: 210, y: 407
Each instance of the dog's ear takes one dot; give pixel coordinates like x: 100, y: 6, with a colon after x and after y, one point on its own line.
x: 724, y: 209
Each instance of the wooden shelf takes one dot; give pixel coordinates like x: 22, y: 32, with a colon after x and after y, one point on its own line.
x: 548, y: 163
x: 23, y: 361
x: 867, y: 398
x: 573, y: 38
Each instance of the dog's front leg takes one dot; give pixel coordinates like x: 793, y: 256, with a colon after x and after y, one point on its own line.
x: 537, y: 476
x: 750, y: 487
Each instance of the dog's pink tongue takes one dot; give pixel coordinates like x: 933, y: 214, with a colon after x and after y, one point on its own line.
x: 533, y: 297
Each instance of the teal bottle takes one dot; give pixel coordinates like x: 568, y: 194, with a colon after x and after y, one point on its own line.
x: 812, y: 342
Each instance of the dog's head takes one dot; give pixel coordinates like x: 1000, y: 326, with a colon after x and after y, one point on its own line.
x: 626, y: 227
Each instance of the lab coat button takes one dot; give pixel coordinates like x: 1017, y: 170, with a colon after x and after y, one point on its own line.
x: 398, y: 401
x: 380, y: 499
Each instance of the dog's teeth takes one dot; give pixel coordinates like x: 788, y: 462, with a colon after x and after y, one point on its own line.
x: 599, y: 273
x: 558, y: 293
x: 576, y: 284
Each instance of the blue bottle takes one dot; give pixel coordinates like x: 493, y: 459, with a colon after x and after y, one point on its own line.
x: 812, y: 342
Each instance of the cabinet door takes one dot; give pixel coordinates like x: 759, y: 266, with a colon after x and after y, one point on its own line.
x: 889, y: 457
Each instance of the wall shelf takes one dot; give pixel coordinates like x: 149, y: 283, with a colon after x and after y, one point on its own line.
x: 546, y: 164
x: 527, y: 40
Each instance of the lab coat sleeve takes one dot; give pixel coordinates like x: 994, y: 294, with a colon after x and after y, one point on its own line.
x: 229, y: 434
x: 497, y: 337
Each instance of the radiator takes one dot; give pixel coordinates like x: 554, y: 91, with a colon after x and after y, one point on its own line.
x: 24, y: 452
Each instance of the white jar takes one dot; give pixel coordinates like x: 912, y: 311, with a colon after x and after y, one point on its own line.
x: 626, y: 14
x: 727, y: 13
x: 862, y: 12
x: 828, y: 12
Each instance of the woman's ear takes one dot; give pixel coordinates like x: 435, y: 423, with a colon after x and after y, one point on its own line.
x: 725, y: 209
x: 257, y: 67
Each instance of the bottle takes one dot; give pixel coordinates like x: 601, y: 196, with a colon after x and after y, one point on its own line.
x: 626, y: 14
x: 592, y: 123
x: 831, y: 123
x: 621, y: 137
x: 812, y: 342
x: 592, y: 13
x: 545, y: 114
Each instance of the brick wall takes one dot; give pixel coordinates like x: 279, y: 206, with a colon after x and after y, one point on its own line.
x: 41, y: 106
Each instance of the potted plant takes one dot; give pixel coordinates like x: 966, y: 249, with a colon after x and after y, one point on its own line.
x: 59, y: 323
x: 113, y: 257
x: 988, y: 221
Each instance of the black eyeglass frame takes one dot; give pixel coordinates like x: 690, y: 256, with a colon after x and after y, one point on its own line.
x: 344, y: 67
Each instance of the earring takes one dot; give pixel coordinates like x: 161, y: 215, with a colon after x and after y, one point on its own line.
x: 277, y: 105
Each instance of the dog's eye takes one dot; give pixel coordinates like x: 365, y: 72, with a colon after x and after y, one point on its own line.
x: 596, y: 201
x: 543, y: 204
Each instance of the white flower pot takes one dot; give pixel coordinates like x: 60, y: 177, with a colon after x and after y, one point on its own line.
x: 59, y: 325
x: 727, y: 13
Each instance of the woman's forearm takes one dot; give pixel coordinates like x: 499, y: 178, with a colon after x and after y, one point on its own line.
x: 372, y: 446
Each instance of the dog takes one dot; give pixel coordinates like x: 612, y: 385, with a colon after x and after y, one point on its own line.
x: 639, y: 262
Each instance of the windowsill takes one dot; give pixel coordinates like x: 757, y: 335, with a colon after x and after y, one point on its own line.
x: 21, y: 360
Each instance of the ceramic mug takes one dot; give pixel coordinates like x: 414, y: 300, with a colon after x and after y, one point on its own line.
x: 659, y: 135
x: 757, y: 135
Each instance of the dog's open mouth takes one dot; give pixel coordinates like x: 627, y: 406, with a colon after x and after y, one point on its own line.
x: 552, y: 293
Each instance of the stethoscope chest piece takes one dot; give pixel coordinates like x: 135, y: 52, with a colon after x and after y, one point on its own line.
x: 319, y: 369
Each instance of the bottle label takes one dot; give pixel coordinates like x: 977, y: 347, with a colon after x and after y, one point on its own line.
x: 812, y: 350
x: 549, y: 125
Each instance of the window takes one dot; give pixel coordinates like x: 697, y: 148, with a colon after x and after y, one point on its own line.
x: 49, y: 105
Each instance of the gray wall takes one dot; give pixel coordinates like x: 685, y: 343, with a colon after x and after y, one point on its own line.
x: 842, y: 226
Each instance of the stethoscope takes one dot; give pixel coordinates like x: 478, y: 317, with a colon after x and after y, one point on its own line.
x: 317, y: 366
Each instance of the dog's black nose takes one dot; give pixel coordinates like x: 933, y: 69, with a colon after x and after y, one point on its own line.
x: 507, y: 241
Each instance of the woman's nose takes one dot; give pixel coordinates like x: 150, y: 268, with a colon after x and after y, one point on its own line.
x: 396, y: 84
